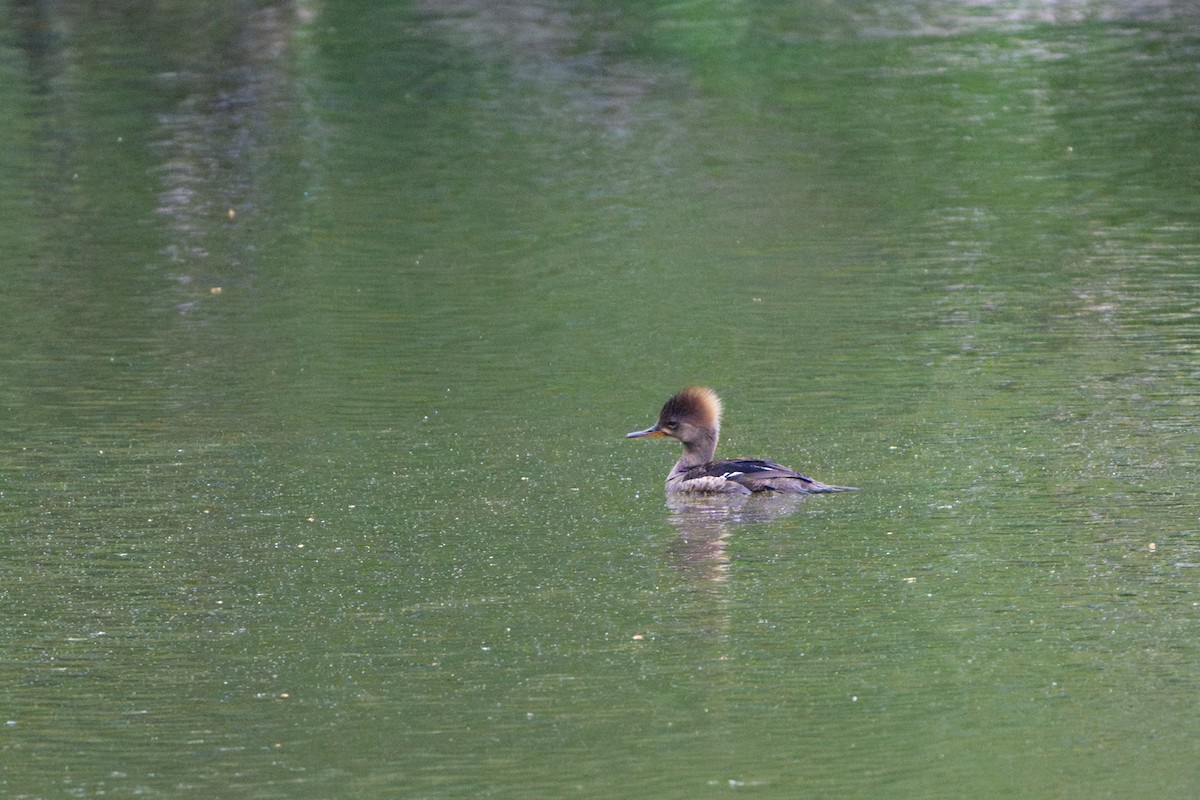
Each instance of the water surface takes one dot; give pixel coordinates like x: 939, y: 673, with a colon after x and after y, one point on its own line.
x: 323, y: 327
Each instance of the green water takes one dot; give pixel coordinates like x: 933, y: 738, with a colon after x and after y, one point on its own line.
x: 323, y: 325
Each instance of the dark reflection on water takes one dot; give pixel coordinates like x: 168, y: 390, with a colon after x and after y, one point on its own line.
x: 164, y: 174
x: 173, y: 175
x: 211, y: 145
x: 704, y: 524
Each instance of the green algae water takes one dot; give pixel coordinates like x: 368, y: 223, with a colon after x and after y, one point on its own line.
x: 323, y: 326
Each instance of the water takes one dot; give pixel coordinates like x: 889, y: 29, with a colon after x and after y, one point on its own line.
x: 323, y: 327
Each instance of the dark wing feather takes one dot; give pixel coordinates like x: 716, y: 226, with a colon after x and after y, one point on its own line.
x: 759, y: 475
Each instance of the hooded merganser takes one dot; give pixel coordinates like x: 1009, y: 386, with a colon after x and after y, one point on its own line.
x: 693, y: 416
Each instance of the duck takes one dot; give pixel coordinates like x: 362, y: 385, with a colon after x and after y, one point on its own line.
x: 693, y: 416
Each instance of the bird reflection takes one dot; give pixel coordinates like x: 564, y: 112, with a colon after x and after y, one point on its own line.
x: 705, y: 523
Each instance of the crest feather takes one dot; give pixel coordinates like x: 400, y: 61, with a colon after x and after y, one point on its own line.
x: 697, y: 404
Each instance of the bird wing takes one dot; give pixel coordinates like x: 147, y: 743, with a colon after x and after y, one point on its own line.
x: 757, y: 475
